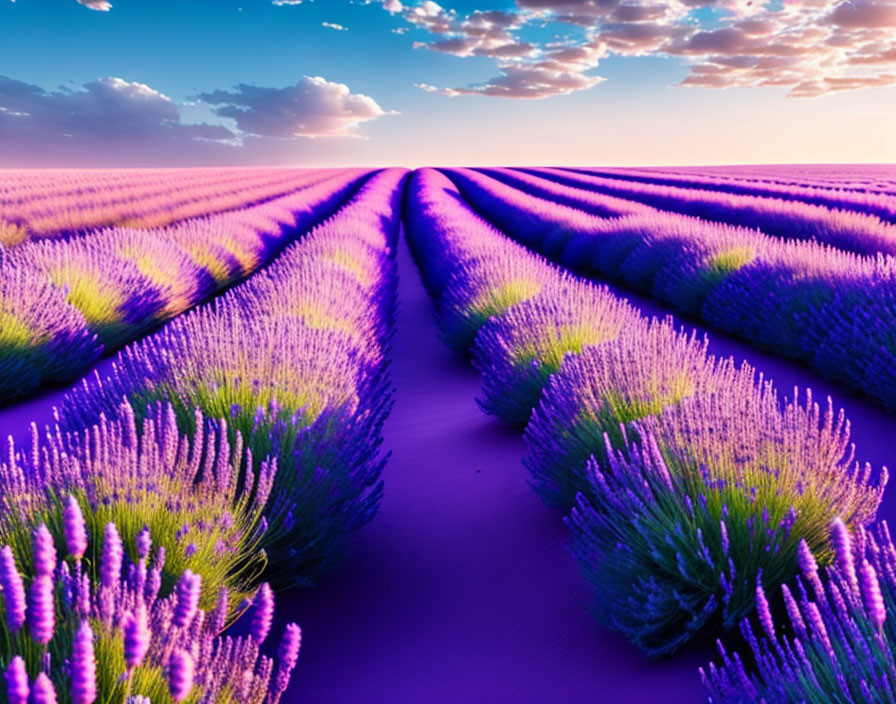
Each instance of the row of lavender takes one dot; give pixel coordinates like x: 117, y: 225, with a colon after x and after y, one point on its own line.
x: 38, y: 204
x: 863, y: 178
x: 732, y: 197
x: 832, y: 309
x: 865, y: 228
x: 63, y: 303
x: 242, y: 440
x: 693, y: 490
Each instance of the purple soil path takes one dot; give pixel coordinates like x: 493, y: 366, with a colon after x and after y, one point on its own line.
x: 461, y: 589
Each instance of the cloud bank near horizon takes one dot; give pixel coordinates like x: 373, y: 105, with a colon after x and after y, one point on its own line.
x: 132, y: 118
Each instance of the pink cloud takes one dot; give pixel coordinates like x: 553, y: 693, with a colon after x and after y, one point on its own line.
x: 868, y: 14
x: 813, y: 47
x: 98, y: 5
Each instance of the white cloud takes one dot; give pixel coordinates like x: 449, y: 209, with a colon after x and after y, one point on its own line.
x: 314, y: 107
x: 334, y: 25
x: 98, y: 5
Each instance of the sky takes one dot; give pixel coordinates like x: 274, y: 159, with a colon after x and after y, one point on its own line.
x: 473, y: 82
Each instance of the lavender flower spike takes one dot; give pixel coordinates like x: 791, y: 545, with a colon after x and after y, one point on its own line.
x: 289, y: 646
x: 44, y: 552
x: 41, y: 609
x: 13, y: 590
x: 218, y: 619
x: 263, y: 615
x: 189, y: 588
x: 43, y: 692
x: 875, y: 608
x: 181, y: 671
x: 113, y: 554
x: 764, y: 612
x: 144, y: 543
x: 16, y: 682
x: 842, y: 545
x: 83, y: 666
x: 288, y: 654
x: 136, y: 638
x: 75, y: 529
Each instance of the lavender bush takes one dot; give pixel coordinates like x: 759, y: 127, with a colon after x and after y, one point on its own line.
x: 104, y: 629
x: 519, y: 350
x: 201, y: 496
x: 485, y: 286
x: 42, y: 336
x: 646, y: 368
x: 673, y: 530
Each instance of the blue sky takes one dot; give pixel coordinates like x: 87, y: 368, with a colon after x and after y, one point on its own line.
x: 386, y: 91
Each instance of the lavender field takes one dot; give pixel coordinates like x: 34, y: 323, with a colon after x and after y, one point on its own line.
x: 447, y: 435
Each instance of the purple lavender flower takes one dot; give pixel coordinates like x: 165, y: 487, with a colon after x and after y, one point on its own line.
x: 807, y: 562
x: 181, y: 670
x: 44, y: 552
x: 136, y: 637
x: 13, y: 590
x: 112, y: 557
x: 42, y: 691
x: 74, y: 528
x: 793, y: 612
x: 843, y: 550
x: 289, y: 646
x: 16, y: 681
x: 219, y: 616
x: 144, y: 543
x: 83, y: 666
x: 41, y: 609
x: 188, y: 591
x: 287, y: 655
x: 763, y: 612
x: 875, y: 608
x: 153, y: 584
x: 263, y: 613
